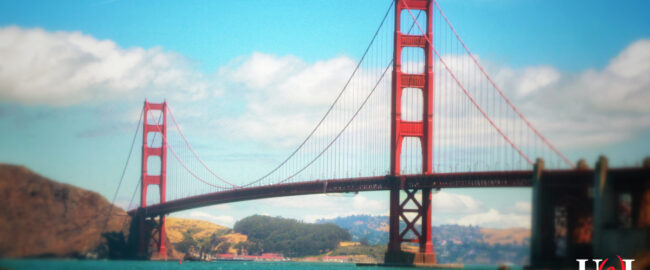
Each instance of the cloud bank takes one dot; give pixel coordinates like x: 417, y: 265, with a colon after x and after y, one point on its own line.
x: 282, y: 91
x: 66, y: 68
x: 588, y: 109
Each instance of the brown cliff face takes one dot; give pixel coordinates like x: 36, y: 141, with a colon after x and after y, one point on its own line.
x: 40, y: 217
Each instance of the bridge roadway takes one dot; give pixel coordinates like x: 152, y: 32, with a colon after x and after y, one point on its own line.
x: 375, y: 183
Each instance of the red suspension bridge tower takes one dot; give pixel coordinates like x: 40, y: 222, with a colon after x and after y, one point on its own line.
x: 150, y: 228
x: 422, y: 130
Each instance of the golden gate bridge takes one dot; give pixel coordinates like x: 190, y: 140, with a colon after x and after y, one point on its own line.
x: 419, y: 112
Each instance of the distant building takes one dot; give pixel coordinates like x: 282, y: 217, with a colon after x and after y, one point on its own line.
x: 263, y: 257
x: 335, y: 259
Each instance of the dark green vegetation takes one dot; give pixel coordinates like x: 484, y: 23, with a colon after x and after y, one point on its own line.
x: 197, y: 248
x: 375, y: 252
x: 290, y: 237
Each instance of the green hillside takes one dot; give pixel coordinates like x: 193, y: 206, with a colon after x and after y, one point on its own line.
x: 291, y: 237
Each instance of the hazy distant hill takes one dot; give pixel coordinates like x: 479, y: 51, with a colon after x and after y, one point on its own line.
x: 43, y: 218
x: 517, y: 236
x: 453, y: 243
x: 373, y: 228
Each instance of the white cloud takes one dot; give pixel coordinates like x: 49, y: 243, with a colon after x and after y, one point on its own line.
x: 447, y: 202
x: 361, y: 202
x: 333, y: 202
x: 494, y: 219
x: 328, y: 206
x: 527, y: 80
x: 592, y: 108
x: 448, y: 208
x: 227, y: 221
x: 63, y: 68
x: 221, y: 207
x: 285, y: 96
x: 523, y: 207
x: 337, y: 205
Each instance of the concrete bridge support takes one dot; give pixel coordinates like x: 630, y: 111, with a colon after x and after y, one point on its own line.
x: 540, y: 220
x: 598, y: 213
x: 621, y: 208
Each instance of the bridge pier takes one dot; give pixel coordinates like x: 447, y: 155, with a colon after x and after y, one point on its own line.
x: 539, y: 221
x: 589, y: 214
x: 621, y: 208
x: 152, y: 237
x: 148, y: 238
x: 409, y: 234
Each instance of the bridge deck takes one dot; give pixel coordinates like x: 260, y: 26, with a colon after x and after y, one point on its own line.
x: 376, y: 183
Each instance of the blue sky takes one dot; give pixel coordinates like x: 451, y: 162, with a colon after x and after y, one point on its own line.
x: 81, y: 136
x: 569, y: 35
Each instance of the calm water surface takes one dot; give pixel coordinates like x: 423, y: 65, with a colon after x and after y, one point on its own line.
x: 99, y: 265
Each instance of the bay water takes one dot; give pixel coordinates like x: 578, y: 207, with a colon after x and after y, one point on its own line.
x: 39, y: 264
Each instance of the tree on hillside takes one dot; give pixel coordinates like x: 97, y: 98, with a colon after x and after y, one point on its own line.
x: 224, y: 247
x: 291, y: 237
x: 364, y: 241
x: 249, y: 247
x: 185, y: 244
